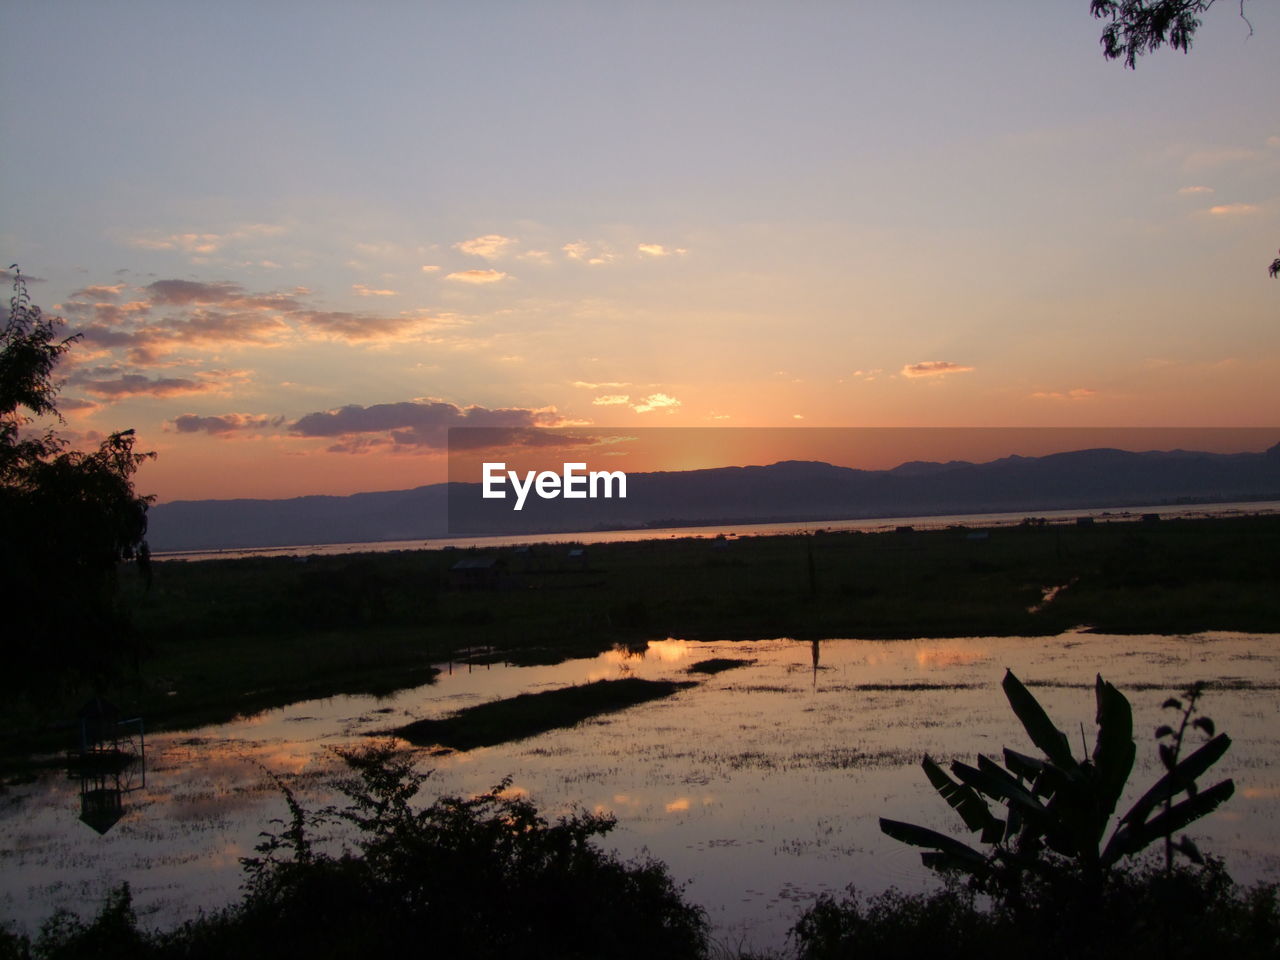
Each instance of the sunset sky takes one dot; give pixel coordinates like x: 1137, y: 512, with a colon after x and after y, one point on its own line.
x: 302, y: 239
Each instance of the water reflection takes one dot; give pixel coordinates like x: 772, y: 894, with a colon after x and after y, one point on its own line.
x: 761, y: 785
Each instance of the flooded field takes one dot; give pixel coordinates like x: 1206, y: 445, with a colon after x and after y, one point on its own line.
x: 760, y: 786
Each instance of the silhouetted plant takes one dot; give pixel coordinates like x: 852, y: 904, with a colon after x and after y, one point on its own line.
x: 66, y: 517
x: 486, y: 875
x: 1208, y: 914
x: 1057, y: 809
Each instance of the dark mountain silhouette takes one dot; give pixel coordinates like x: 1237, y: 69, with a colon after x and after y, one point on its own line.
x: 789, y: 490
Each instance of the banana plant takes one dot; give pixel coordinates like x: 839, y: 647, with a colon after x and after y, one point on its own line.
x: 1031, y: 807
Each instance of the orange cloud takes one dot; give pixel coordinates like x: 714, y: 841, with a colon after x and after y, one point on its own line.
x: 477, y: 276
x: 491, y: 246
x: 933, y: 368
x: 1233, y: 209
x: 656, y: 401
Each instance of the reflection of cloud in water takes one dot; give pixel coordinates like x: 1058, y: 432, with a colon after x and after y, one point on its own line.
x: 949, y: 655
x: 806, y: 766
x: 669, y: 650
x: 1261, y: 793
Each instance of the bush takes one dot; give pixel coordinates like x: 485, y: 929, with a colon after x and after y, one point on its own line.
x: 1147, y: 912
x: 479, y: 877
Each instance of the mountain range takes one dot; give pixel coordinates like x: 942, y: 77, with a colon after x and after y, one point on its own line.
x: 786, y: 491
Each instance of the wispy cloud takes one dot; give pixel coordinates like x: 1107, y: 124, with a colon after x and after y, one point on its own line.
x: 1192, y: 191
x: 365, y: 291
x: 491, y: 246
x: 659, y: 250
x: 933, y: 368
x: 203, y: 244
x: 656, y: 401
x: 225, y: 424
x: 586, y: 385
x: 168, y: 314
x: 1233, y: 210
x: 477, y: 276
x: 612, y: 400
x: 99, y: 292
x: 139, y: 385
x: 419, y: 424
x: 584, y: 252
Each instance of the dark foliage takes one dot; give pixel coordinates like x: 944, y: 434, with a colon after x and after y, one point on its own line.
x: 66, y: 517
x: 480, y: 877
x: 1195, y: 911
x: 1057, y: 809
x: 1136, y: 27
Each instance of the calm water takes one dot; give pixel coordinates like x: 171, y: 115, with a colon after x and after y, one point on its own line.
x: 1119, y: 515
x: 760, y: 787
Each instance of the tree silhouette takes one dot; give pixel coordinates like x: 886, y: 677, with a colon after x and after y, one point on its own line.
x: 1136, y: 27
x: 1142, y: 26
x: 67, y: 517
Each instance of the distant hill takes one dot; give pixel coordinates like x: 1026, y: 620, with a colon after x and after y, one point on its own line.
x: 790, y: 490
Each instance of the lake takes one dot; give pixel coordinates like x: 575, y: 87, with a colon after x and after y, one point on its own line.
x: 761, y: 786
x: 869, y: 525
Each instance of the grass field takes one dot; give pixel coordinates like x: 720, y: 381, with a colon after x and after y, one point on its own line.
x: 219, y: 638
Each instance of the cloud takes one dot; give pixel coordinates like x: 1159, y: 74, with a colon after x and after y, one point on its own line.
x: 99, y: 292
x: 1079, y: 393
x: 1190, y: 191
x: 173, y: 313
x: 584, y: 253
x: 148, y: 341
x: 933, y: 368
x: 612, y: 400
x: 477, y: 276
x: 423, y: 424
x: 203, y: 244
x: 361, y: 327
x: 222, y: 292
x: 491, y: 246
x: 1232, y: 210
x: 225, y: 424
x: 656, y: 401
x: 658, y: 250
x: 75, y: 403
x: 364, y: 291
x: 136, y: 385
x: 7, y: 277
x: 585, y: 385
x: 430, y: 268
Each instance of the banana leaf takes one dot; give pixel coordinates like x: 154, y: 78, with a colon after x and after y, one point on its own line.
x: 1178, y: 779
x: 961, y: 854
x: 966, y: 801
x: 1051, y: 740
x: 995, y: 782
x: 1133, y: 837
x: 1114, y: 750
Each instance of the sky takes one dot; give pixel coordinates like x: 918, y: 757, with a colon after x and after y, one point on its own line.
x: 301, y: 240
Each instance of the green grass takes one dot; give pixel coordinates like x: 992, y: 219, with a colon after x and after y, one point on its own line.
x: 529, y: 714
